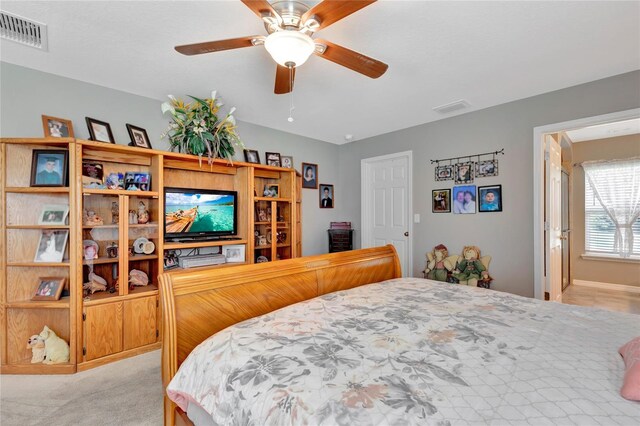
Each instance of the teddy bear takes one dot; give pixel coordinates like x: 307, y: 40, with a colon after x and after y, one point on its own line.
x: 36, y: 344
x: 56, y: 350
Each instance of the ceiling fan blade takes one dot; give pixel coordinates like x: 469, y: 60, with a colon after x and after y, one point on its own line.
x: 353, y: 60
x: 284, y: 81
x: 260, y: 7
x: 328, y: 12
x: 217, y: 46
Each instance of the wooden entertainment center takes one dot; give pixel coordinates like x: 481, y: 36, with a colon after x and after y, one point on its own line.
x: 111, y: 325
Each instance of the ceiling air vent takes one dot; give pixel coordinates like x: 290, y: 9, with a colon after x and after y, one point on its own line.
x: 452, y: 106
x: 23, y: 31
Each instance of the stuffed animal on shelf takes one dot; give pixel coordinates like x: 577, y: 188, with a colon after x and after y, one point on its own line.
x: 439, y: 263
x: 471, y: 269
x: 56, y: 350
x: 36, y: 344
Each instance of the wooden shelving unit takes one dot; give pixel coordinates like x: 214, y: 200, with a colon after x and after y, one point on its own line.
x: 107, y: 326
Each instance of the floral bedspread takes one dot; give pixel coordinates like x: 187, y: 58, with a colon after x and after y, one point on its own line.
x: 414, y: 351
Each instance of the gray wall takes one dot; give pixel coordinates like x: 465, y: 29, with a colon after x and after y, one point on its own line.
x: 26, y: 94
x: 506, y: 236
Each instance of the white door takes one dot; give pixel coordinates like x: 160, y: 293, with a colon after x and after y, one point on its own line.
x: 553, y: 218
x: 386, y: 205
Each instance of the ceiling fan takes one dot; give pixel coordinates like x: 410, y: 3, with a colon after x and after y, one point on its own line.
x: 291, y: 25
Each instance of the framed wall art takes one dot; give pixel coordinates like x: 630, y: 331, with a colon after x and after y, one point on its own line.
x: 464, y: 199
x: 441, y: 201
x: 464, y: 172
x: 490, y: 198
x: 49, y: 167
x: 444, y: 173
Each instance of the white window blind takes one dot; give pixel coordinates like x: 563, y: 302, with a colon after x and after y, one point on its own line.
x: 599, y: 229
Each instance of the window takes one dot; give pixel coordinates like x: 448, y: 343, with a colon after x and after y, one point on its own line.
x: 599, y: 229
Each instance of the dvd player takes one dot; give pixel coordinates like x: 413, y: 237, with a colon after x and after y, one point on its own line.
x: 203, y: 239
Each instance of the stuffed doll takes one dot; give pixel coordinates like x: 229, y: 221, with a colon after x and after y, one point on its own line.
x: 439, y: 264
x: 470, y: 269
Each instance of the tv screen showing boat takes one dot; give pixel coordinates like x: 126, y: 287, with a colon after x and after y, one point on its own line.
x: 199, y: 213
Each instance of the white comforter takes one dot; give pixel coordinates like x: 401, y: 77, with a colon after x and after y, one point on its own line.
x: 413, y: 351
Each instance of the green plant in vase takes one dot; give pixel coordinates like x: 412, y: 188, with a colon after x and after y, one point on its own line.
x: 196, y: 128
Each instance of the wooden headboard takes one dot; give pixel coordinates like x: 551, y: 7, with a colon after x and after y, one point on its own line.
x: 197, y: 304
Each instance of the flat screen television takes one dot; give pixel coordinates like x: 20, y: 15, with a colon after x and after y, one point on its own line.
x: 199, y: 214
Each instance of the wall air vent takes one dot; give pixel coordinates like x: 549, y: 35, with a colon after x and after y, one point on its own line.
x: 23, y: 31
x: 452, y: 106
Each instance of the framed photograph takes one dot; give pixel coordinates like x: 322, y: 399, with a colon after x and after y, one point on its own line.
x: 273, y: 158
x: 464, y: 199
x: 51, y: 245
x: 53, y: 214
x: 49, y: 167
x: 234, y: 253
x: 92, y: 173
x: 326, y: 196
x: 486, y: 168
x: 251, y: 156
x: 55, y: 127
x: 309, y: 176
x: 287, y: 161
x: 49, y: 288
x: 99, y: 130
x: 171, y: 260
x: 444, y: 173
x: 441, y: 201
x: 138, y: 136
x: 464, y: 172
x: 490, y: 198
x: 137, y: 181
x: 272, y: 190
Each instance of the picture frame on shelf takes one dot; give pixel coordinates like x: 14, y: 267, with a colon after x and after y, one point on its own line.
x: 464, y: 199
x: 464, y: 172
x: 137, y: 181
x: 309, y: 176
x: 286, y: 161
x: 272, y: 190
x: 326, y: 196
x: 251, y: 156
x: 490, y: 199
x: 234, y: 253
x: 441, y: 201
x: 49, y: 167
x: 273, y: 159
x: 139, y: 137
x: 54, y: 214
x: 55, y: 127
x: 444, y: 173
x: 92, y: 173
x: 49, y: 288
x: 486, y: 168
x: 100, y: 131
x: 51, y: 246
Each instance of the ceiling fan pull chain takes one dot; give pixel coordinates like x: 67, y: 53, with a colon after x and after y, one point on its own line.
x: 291, y: 107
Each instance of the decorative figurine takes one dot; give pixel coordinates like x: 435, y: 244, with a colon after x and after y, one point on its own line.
x: 439, y: 264
x: 36, y: 344
x: 95, y: 283
x: 471, y: 269
x: 133, y: 217
x: 115, y: 212
x: 113, y: 181
x: 56, y: 350
x: 91, y: 218
x: 112, y: 250
x: 143, y: 213
x: 138, y: 278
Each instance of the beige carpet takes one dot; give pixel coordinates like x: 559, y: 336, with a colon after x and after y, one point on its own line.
x: 127, y: 392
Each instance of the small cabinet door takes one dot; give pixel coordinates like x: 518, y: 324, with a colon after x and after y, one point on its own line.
x: 140, y: 322
x: 102, y: 330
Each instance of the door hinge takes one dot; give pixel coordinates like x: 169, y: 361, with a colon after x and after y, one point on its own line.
x: 547, y: 155
x: 84, y: 350
x: 546, y: 226
x: 84, y: 316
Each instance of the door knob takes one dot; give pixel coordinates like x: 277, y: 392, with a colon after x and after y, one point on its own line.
x: 406, y: 234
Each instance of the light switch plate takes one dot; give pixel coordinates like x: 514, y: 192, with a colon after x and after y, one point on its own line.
x: 416, y: 218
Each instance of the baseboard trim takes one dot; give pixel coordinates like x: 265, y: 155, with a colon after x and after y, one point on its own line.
x: 608, y: 286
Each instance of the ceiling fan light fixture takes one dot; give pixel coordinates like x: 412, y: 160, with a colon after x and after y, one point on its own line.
x: 289, y: 46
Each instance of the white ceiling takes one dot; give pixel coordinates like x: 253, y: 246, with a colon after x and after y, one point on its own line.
x: 486, y: 52
x: 603, y: 131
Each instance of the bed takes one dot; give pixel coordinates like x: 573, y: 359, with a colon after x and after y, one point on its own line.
x: 342, y: 339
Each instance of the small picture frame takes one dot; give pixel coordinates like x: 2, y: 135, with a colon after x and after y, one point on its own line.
x: 441, y: 201
x: 99, y: 130
x: 486, y: 168
x: 137, y: 181
x: 234, y: 253
x: 171, y: 260
x: 52, y: 245
x: 464, y: 199
x: 309, y: 176
x: 92, y: 173
x: 444, y: 173
x: 251, y: 156
x: 490, y: 199
x: 53, y: 214
x: 261, y: 215
x: 464, y: 172
x: 286, y: 161
x: 49, y: 288
x: 272, y: 190
x: 139, y: 137
x: 49, y: 167
x: 273, y: 159
x: 326, y: 196
x: 55, y: 127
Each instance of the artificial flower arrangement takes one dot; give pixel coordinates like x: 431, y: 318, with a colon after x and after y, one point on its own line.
x: 196, y: 129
